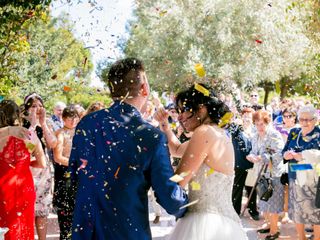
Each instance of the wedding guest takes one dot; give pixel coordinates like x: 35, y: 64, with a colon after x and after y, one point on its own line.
x: 17, y: 193
x: 302, y: 209
x: 249, y: 131
x: 267, y: 145
x: 289, y: 118
x: 62, y: 197
x: 96, y: 106
x: 56, y: 119
x: 35, y: 120
x: 116, y: 157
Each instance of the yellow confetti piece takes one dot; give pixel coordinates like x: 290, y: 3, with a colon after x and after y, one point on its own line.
x: 209, y: 172
x: 184, y: 174
x: 84, y: 133
x: 30, y: 146
x: 189, y: 204
x: 200, y: 70
x: 318, y: 169
x: 67, y: 175
x: 202, y: 89
x: 176, y: 178
x: 162, y: 13
x: 225, y: 119
x: 195, y: 186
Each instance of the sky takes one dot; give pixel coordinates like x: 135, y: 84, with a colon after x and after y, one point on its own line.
x: 99, y: 24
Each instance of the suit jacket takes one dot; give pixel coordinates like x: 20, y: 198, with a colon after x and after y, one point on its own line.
x: 116, y: 157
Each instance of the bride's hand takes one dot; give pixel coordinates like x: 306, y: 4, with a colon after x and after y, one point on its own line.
x: 161, y: 116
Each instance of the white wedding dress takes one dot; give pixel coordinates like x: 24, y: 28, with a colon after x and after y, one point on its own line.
x: 213, y: 216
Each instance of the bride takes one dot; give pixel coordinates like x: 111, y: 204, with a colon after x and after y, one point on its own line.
x: 206, y: 166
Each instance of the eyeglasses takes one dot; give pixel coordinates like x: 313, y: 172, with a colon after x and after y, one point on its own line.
x: 306, y: 120
x: 287, y: 116
x: 254, y: 95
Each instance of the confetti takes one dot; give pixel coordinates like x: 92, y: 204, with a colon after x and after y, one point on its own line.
x: 184, y: 174
x: 195, y: 186
x: 202, y: 89
x: 189, y: 204
x: 30, y: 146
x: 116, y: 174
x: 209, y: 172
x: 66, y: 88
x: 318, y: 169
x: 200, y: 70
x: 258, y: 41
x: 83, y: 165
x: 225, y: 119
x: 162, y: 13
x: 176, y: 178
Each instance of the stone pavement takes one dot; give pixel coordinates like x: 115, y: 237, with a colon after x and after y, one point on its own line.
x: 161, y: 230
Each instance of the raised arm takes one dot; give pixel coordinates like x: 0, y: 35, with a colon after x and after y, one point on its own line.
x: 49, y: 135
x: 176, y: 148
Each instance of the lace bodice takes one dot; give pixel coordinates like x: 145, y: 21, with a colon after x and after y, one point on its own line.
x: 214, y: 195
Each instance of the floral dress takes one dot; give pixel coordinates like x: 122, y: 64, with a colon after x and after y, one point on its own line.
x: 43, y: 180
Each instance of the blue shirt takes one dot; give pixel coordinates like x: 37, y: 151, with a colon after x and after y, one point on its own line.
x: 116, y: 157
x: 298, y: 143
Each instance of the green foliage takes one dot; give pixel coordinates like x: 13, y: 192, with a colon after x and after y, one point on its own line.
x: 246, y: 42
x: 15, y: 16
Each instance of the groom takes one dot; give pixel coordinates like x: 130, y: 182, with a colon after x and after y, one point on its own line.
x: 116, y: 157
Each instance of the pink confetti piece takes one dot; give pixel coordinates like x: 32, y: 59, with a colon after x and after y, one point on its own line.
x: 83, y: 164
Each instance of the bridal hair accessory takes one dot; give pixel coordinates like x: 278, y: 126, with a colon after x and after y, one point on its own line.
x: 202, y: 89
x: 31, y: 96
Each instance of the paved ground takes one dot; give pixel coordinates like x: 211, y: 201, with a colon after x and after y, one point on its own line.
x: 161, y: 230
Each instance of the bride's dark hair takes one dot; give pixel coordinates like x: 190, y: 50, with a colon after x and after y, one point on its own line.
x: 201, y: 94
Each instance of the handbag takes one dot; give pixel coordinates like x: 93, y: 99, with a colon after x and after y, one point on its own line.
x: 264, y: 186
x: 317, y: 203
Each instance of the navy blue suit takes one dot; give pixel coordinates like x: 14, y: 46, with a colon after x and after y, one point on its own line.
x: 116, y: 157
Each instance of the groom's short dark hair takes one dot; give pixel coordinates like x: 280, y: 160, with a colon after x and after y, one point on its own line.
x: 124, y: 78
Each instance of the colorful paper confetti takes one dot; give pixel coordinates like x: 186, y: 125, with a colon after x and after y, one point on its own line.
x: 195, y: 186
x: 189, y: 204
x: 200, y: 70
x: 202, y: 89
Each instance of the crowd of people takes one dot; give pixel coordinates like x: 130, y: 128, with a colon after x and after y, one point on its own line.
x: 198, y: 150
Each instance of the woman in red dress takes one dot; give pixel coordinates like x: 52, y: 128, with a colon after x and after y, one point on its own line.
x: 17, y: 194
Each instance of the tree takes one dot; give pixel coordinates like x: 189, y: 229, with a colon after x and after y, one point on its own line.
x: 14, y: 16
x: 247, y: 42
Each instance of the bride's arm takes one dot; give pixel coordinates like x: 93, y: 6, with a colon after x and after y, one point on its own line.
x: 176, y: 148
x: 195, y: 153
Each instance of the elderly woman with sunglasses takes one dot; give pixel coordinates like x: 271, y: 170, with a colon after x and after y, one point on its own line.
x: 302, y: 208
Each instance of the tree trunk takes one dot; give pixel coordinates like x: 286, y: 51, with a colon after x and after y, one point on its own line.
x: 284, y: 87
